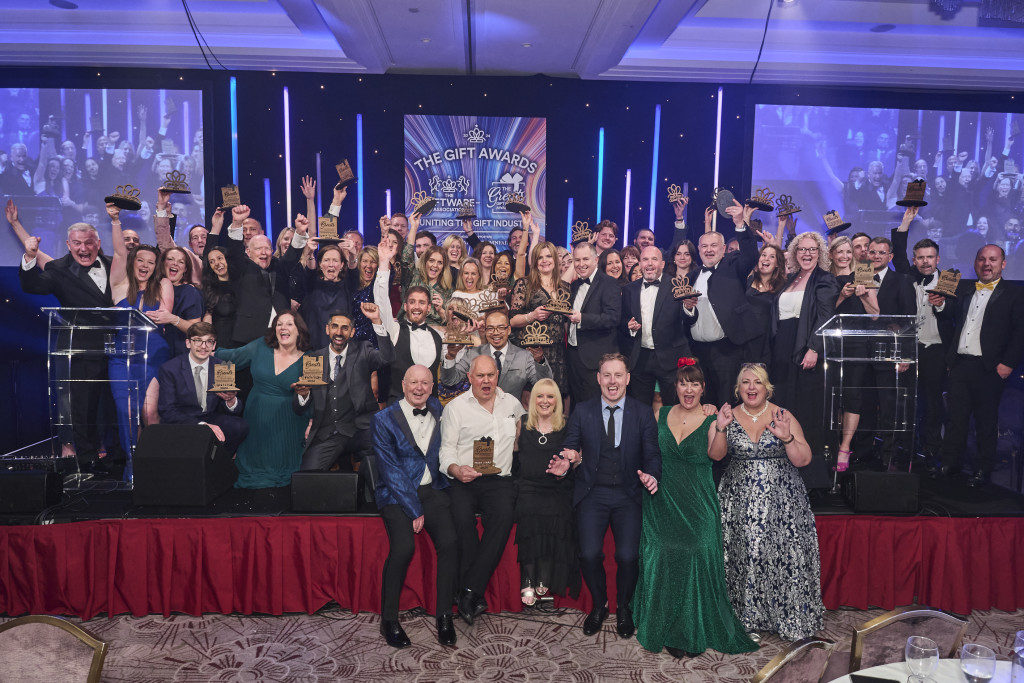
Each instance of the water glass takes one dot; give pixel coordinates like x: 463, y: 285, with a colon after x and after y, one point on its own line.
x: 1017, y: 659
x: 922, y: 657
x: 978, y: 663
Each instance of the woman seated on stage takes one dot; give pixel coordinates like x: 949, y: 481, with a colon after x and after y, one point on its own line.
x: 772, y: 567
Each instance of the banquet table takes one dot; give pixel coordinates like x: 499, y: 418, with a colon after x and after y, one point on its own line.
x: 947, y: 672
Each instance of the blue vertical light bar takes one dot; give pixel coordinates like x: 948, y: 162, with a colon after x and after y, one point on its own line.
x: 359, y: 172
x: 600, y: 174
x: 956, y: 134
x: 287, y: 159
x: 654, y: 164
x: 128, y: 132
x: 718, y: 150
x: 63, y: 120
x: 387, y: 203
x: 234, y: 131
x: 568, y: 226
x: 625, y: 220
x: 186, y: 141
x: 319, y: 191
x: 88, y: 124
x: 266, y: 210
x: 106, y: 126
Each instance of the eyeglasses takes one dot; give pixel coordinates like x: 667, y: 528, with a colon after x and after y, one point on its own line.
x: 492, y: 328
x: 806, y: 250
x: 874, y: 252
x: 196, y: 341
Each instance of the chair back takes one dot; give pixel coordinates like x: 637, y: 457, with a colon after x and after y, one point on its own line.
x: 883, y: 640
x: 802, y: 662
x: 46, y: 648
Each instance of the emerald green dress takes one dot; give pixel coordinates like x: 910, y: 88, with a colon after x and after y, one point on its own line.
x: 681, y: 599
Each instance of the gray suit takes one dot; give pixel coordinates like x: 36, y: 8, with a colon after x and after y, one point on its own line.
x: 518, y: 369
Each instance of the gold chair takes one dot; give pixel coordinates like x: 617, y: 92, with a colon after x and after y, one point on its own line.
x: 802, y: 662
x: 893, y: 628
x: 45, y: 648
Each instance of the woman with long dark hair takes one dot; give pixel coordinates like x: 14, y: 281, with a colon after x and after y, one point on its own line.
x: 763, y: 285
x: 220, y: 296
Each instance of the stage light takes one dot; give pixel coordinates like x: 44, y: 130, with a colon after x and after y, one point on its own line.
x: 600, y: 172
x: 654, y: 163
x: 568, y: 226
x: 234, y: 131
x: 718, y: 149
x: 287, y: 157
x: 387, y: 203
x: 359, y: 172
x: 266, y: 210
x: 319, y: 194
x: 625, y: 221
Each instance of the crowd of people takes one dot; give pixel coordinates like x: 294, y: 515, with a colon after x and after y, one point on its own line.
x: 562, y: 391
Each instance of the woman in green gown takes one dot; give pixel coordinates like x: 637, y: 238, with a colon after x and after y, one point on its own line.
x: 681, y: 602
x: 273, y: 449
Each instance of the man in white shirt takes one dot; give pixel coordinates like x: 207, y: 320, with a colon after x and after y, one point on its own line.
x: 479, y: 429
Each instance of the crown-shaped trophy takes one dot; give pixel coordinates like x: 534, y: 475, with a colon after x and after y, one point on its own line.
x: 581, y: 232
x: 327, y: 230
x: 915, y: 194
x: 834, y: 223
x: 175, y: 181
x: 463, y: 309
x: 536, y: 334
x: 125, y: 197
x: 489, y: 301
x: 468, y: 211
x: 763, y: 199
x: 460, y: 312
x: 229, y: 197
x: 345, y: 175
x: 514, y: 203
x: 947, y: 284
x: 785, y: 206
x: 223, y: 378
x: 675, y: 194
x: 722, y: 200
x: 559, y: 302
x: 312, y: 371
x: 423, y: 203
x: 681, y: 288
x: 501, y: 278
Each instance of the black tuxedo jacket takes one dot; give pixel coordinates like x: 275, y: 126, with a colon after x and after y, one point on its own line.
x: 178, y: 403
x: 902, y: 264
x: 896, y: 295
x: 67, y: 281
x: 727, y: 290
x: 1002, y: 328
x: 668, y: 325
x: 600, y: 313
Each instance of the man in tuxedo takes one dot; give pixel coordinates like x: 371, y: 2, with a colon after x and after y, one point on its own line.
x: 16, y: 179
x: 654, y: 335
x: 518, y: 368
x: 593, y: 323
x: 79, y: 279
x: 411, y: 495
x: 184, y: 399
x: 987, y: 344
x: 612, y: 442
x: 341, y: 410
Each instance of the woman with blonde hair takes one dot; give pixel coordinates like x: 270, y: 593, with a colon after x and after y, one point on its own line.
x: 433, y: 273
x: 455, y: 248
x: 546, y: 526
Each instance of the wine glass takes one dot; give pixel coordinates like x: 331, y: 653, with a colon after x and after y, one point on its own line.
x: 922, y: 656
x: 1017, y: 659
x: 978, y: 663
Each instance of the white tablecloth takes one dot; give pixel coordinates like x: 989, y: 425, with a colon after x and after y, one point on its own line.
x: 947, y: 672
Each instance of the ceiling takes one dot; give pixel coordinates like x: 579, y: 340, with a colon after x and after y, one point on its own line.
x: 851, y: 42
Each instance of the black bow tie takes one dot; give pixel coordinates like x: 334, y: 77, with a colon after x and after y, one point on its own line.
x: 655, y: 283
x: 414, y: 326
x: 921, y: 279
x: 95, y: 264
x: 420, y: 411
x: 707, y: 269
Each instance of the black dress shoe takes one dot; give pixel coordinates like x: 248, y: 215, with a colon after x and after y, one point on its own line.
x: 471, y: 606
x: 943, y: 472
x: 979, y: 478
x: 394, y: 634
x: 624, y: 622
x: 445, y: 630
x: 592, y: 624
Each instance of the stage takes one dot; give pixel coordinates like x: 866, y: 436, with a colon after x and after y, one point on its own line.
x: 246, y: 554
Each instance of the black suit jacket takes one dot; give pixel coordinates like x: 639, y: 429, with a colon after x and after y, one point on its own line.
x: 727, y: 290
x: 67, y: 281
x: 818, y: 305
x: 896, y: 295
x: 902, y: 264
x: 668, y: 325
x: 1002, y: 328
x: 600, y: 313
x: 178, y: 403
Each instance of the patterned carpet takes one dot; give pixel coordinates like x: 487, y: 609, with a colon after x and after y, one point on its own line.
x: 536, y: 645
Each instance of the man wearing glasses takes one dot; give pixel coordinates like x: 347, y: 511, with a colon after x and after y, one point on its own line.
x: 184, y: 398
x: 518, y: 368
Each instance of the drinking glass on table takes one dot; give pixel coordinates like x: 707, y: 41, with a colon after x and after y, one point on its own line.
x: 978, y: 663
x: 922, y: 656
x: 1017, y: 659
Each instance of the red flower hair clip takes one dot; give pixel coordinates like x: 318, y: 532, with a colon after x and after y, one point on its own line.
x: 686, y: 361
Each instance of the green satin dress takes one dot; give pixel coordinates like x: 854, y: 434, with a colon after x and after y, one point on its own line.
x: 681, y: 599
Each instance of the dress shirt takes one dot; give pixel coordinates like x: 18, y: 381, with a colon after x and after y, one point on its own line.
x: 204, y: 377
x: 577, y: 304
x: 421, y: 343
x: 618, y: 418
x: 880, y: 274
x: 97, y: 274
x: 707, y: 328
x: 648, y: 295
x: 464, y: 421
x: 928, y: 326
x: 970, y: 336
x: 422, y: 427
x: 192, y: 364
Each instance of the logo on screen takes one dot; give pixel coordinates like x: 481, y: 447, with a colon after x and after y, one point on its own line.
x: 476, y: 135
x: 448, y: 186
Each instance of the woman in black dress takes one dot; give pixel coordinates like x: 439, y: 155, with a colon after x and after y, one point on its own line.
x: 220, y: 296
x: 768, y: 278
x: 326, y: 290
x: 546, y: 526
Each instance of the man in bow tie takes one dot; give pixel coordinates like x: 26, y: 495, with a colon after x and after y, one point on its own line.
x: 596, y: 308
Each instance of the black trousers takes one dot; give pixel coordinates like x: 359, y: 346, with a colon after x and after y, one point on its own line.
x: 646, y: 374
x: 85, y: 393
x: 973, y: 390
x: 325, y: 450
x: 931, y: 365
x: 721, y: 362
x: 437, y: 520
x: 494, y: 497
x: 602, y: 507
x: 582, y: 380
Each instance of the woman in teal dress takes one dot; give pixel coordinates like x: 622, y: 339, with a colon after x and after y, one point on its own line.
x: 681, y: 602
x: 273, y: 449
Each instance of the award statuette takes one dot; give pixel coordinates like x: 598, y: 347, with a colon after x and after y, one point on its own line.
x: 581, y: 232
x: 675, y: 194
x: 834, y: 223
x: 168, y: 148
x: 468, y: 211
x: 915, y: 194
x: 487, y: 302
x: 483, y: 456
x: 1010, y: 168
x: 864, y: 274
x: 96, y: 125
x: 125, y: 197
x: 946, y: 286
x: 681, y: 288
x: 514, y: 203
x: 785, y: 206
x: 175, y: 182
x: 345, y: 175
x: 223, y: 378
x: 501, y: 278
x: 423, y: 203
x: 327, y: 230
x: 229, y: 197
x: 722, y: 200
x: 559, y: 302
x: 459, y: 315
x: 312, y: 371
x: 763, y: 200
x: 536, y: 334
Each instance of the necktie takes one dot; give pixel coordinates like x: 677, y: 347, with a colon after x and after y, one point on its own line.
x: 497, y: 361
x: 337, y: 367
x: 611, y: 423
x: 414, y: 326
x: 979, y: 286
x: 200, y: 387
x: 878, y: 278
x: 419, y: 411
x: 656, y: 283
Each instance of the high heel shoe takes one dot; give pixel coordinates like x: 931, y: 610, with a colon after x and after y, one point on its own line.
x: 528, y: 596
x: 843, y: 466
x: 542, y: 589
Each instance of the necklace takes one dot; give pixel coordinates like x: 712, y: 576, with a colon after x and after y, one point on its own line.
x: 543, y: 438
x: 688, y: 413
x: 753, y: 418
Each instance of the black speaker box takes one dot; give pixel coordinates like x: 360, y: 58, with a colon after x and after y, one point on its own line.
x: 29, y: 490
x: 883, y: 491
x: 180, y: 465
x: 325, y: 491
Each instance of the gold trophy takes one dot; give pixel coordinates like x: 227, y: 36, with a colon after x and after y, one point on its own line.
x: 514, y: 203
x: 536, y: 334
x: 675, y: 194
x: 681, y: 288
x: 345, y: 175
x: 468, y: 211
x: 460, y: 313
x: 312, y: 371
x: 223, y: 378
x: 483, y: 456
x: 786, y: 207
x: 487, y: 302
x: 559, y: 302
x: 834, y: 223
x: 915, y: 194
x: 229, y: 197
x: 125, y: 197
x: 175, y: 182
x: 864, y: 274
x: 947, y: 284
x: 423, y: 203
x: 581, y: 232
x: 763, y: 200
x: 501, y: 278
x: 327, y: 230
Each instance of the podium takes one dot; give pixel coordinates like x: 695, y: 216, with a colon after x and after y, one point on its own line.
x: 96, y: 336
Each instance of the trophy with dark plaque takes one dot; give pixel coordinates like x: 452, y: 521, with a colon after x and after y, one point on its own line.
x: 559, y: 302
x: 581, y: 232
x: 785, y: 206
x: 423, y: 203
x: 536, y: 334
x: 681, y: 288
x: 460, y: 314
x: 345, y: 175
x: 834, y: 223
x: 312, y: 371
x: 947, y: 284
x: 223, y: 378
x: 468, y: 211
x: 175, y: 182
x: 125, y: 197
x: 229, y: 197
x: 327, y: 230
x: 763, y: 200
x: 915, y: 194
x: 483, y: 456
x: 864, y: 274
x: 515, y: 203
x: 722, y: 200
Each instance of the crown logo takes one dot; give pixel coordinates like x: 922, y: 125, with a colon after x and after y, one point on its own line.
x: 763, y: 199
x: 559, y: 302
x: 786, y: 206
x: 489, y: 301
x: 126, y: 192
x: 467, y: 211
x: 536, y: 334
x: 423, y: 203
x: 175, y: 181
x: 500, y: 279
x: 675, y: 193
x: 125, y: 197
x: 462, y: 309
x: 476, y: 135
x: 515, y: 202
x: 457, y: 330
x: 681, y: 288
x: 581, y: 232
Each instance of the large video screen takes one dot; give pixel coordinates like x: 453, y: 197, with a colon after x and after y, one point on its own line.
x: 859, y: 161
x: 63, y: 150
